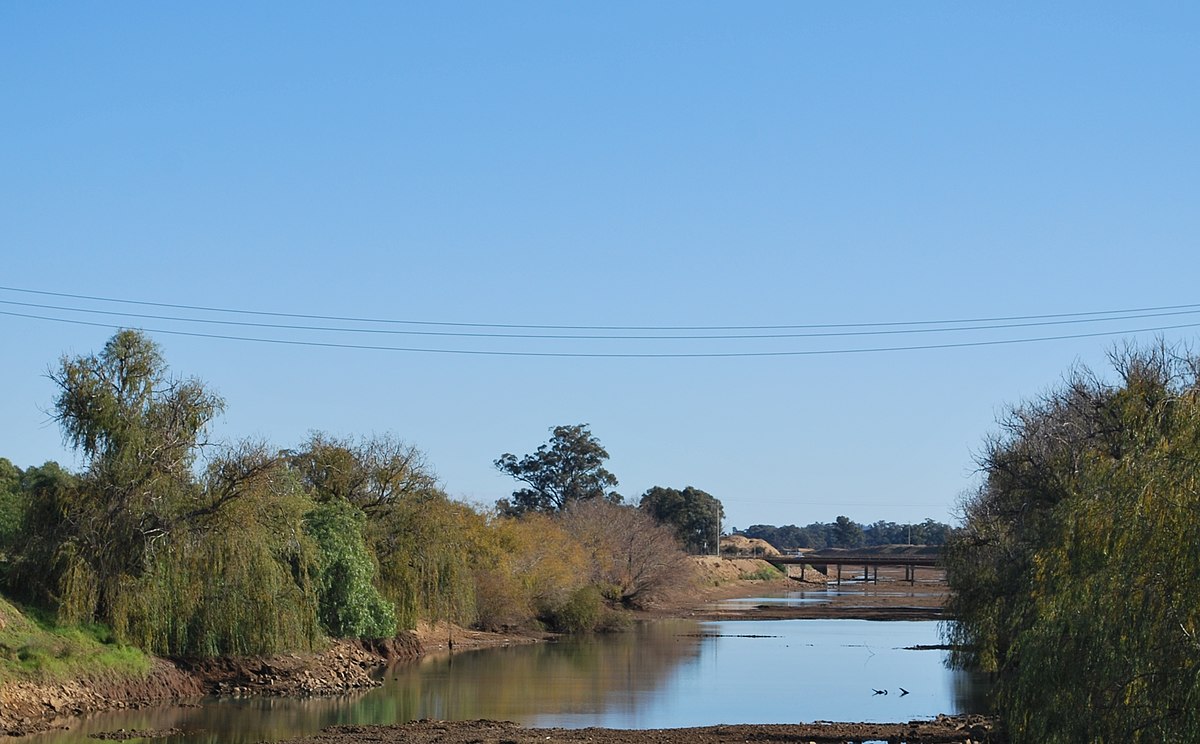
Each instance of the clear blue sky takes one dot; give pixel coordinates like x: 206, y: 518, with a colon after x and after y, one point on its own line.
x: 610, y: 164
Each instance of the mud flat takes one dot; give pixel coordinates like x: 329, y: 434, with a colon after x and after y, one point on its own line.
x: 942, y: 730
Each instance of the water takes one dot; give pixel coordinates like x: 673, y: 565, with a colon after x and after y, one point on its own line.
x: 664, y: 674
x: 819, y: 596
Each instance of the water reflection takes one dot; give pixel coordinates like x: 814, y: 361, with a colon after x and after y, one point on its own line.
x: 670, y: 673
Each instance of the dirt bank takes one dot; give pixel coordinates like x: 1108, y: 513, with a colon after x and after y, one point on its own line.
x: 943, y: 730
x: 29, y: 707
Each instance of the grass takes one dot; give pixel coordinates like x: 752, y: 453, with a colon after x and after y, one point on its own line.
x: 34, y: 648
x: 766, y: 573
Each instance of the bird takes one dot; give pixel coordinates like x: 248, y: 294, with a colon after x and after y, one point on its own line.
x: 903, y: 692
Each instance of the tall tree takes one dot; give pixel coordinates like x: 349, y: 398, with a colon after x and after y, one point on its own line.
x: 694, y: 515
x: 1075, y: 575
x: 139, y: 431
x: 847, y: 533
x: 568, y: 469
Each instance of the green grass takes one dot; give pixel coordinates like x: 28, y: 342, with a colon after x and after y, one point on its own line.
x: 766, y: 573
x: 34, y: 648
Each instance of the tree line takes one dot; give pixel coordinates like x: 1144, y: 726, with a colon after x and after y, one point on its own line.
x: 846, y: 533
x: 188, y: 547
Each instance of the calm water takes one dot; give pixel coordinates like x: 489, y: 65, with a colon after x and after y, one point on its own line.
x: 669, y: 673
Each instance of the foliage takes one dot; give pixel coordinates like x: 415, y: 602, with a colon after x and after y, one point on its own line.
x: 234, y: 580
x: 693, y: 514
x: 628, y: 550
x: 12, y: 504
x: 1075, y: 575
x: 371, y: 474
x: 824, y: 534
x: 848, y: 533
x: 568, y: 469
x: 138, y: 431
x: 532, y: 570
x: 350, y: 605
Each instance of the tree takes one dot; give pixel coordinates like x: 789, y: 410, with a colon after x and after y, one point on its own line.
x: 139, y: 431
x: 633, y: 557
x: 12, y: 503
x: 848, y: 533
x: 568, y: 469
x: 370, y: 473
x: 694, y: 515
x: 1074, y: 575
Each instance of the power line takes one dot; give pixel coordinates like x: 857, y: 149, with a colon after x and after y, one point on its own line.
x: 623, y: 337
x: 602, y: 355
x: 391, y: 321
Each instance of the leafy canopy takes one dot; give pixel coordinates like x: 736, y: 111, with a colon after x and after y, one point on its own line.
x: 568, y: 469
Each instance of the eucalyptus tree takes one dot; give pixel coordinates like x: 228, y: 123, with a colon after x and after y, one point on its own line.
x: 569, y: 468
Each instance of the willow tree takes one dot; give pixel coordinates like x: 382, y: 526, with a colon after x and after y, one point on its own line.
x: 139, y: 431
x: 419, y: 540
x: 1075, y: 576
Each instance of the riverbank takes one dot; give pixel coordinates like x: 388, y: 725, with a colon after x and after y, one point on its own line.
x: 32, y: 706
x: 942, y: 730
x: 26, y: 707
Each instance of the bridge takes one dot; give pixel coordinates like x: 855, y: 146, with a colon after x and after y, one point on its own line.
x: 820, y: 560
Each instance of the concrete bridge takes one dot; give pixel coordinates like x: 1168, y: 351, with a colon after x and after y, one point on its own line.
x: 821, y: 560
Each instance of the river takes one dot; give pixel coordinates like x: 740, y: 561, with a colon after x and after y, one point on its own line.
x: 667, y: 673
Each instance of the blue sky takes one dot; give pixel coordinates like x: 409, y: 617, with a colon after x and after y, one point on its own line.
x: 616, y: 164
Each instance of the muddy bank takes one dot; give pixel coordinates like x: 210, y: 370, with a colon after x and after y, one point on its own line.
x: 29, y: 707
x: 943, y: 730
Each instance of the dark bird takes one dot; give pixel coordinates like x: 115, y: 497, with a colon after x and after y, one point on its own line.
x: 903, y: 692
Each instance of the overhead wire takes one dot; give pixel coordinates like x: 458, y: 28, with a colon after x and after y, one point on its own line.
x: 622, y: 337
x: 393, y: 321
x: 616, y: 355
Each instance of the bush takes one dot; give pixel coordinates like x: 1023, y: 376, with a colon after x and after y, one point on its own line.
x: 349, y: 604
x: 580, y: 614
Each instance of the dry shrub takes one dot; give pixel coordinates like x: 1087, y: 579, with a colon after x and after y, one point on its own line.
x: 631, y: 554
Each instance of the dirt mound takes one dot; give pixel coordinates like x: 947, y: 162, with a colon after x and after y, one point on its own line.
x: 714, y: 570
x: 742, y: 545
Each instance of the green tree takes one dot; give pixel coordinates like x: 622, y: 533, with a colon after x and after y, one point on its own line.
x: 848, y: 533
x: 12, y: 504
x: 694, y: 515
x: 350, y: 605
x: 570, y: 468
x: 139, y: 431
x: 1074, y: 575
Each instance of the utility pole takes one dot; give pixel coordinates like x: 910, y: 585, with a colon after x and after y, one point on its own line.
x: 717, y: 523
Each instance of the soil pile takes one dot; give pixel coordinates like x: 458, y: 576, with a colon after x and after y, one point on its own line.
x: 742, y: 545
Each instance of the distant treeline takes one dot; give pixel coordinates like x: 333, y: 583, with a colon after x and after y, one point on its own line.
x: 187, y: 547
x: 846, y: 533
